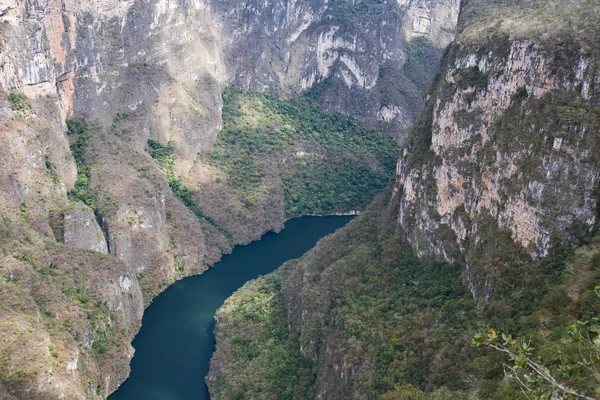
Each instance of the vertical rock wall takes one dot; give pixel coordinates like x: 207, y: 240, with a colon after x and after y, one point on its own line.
x: 155, y: 69
x: 356, y: 48
x: 505, y: 152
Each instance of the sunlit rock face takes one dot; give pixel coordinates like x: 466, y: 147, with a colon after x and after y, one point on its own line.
x: 513, y: 133
x: 81, y: 229
x: 358, y: 47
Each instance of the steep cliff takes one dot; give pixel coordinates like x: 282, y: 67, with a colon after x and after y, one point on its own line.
x: 354, y: 49
x: 507, y: 146
x: 92, y: 91
x: 496, y: 187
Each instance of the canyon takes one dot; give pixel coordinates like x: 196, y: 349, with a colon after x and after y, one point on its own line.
x: 491, y: 220
x: 94, y: 225
x: 143, y: 139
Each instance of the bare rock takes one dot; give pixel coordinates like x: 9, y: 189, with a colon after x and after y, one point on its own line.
x: 81, y: 229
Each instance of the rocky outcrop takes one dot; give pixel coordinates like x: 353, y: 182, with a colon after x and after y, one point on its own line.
x: 81, y: 229
x: 354, y: 48
x: 508, y: 144
x: 67, y: 317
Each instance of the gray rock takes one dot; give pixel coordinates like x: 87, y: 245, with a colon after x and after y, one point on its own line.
x: 81, y: 229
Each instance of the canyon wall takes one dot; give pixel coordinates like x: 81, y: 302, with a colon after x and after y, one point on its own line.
x: 357, y: 49
x: 497, y: 185
x: 139, y: 70
x: 504, y: 155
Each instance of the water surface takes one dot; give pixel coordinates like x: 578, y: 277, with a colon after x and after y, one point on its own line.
x: 176, y: 342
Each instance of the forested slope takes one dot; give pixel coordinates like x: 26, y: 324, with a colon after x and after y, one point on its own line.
x: 491, y: 220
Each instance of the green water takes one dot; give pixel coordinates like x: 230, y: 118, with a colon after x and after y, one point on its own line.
x: 176, y: 342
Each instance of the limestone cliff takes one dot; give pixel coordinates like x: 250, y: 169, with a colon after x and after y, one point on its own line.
x: 507, y: 144
x: 358, y: 48
x: 81, y: 229
x: 496, y: 186
x: 138, y: 70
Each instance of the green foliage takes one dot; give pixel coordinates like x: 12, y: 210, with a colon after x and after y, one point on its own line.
x: 117, y: 119
x: 544, y: 370
x: 369, y: 300
x: 26, y: 257
x: 79, y: 133
x: 62, y: 289
x: 411, y: 321
x: 390, y: 310
x: 379, y: 306
x: 521, y: 94
x: 164, y: 157
x: 420, y: 138
x: 470, y: 77
x: 18, y: 101
x: 99, y: 319
x: 330, y: 183
x: 556, y: 348
x: 102, y: 345
x: 267, y: 362
x: 23, y: 208
x: 327, y: 162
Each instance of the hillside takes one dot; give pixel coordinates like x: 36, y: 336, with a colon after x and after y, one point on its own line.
x: 126, y: 130
x: 491, y: 220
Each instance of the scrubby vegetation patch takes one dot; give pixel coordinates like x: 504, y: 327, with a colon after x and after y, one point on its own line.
x: 327, y: 163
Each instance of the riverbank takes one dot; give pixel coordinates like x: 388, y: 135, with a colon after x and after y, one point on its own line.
x: 176, y: 342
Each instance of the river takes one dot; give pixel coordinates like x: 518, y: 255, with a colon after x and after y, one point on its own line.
x: 176, y: 341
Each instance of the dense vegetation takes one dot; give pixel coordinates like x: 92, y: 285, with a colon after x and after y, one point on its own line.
x: 79, y: 135
x: 419, y: 334
x: 267, y: 362
x: 548, y: 304
x: 17, y: 101
x: 405, y: 327
x: 327, y: 162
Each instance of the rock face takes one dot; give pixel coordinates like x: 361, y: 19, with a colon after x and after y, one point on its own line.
x: 81, y: 229
x: 358, y: 48
x: 138, y: 70
x: 506, y: 148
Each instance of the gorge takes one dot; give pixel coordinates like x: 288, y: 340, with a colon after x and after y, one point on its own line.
x: 491, y: 222
x: 175, y: 344
x: 143, y: 139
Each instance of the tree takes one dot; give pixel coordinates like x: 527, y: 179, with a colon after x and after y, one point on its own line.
x: 575, y: 373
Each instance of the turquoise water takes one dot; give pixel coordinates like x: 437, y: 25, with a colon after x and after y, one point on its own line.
x: 176, y: 342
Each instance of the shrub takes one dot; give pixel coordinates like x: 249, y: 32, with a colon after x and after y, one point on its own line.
x: 18, y: 101
x: 79, y: 133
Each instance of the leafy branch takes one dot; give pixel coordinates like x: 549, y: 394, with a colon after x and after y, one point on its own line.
x: 539, y: 380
